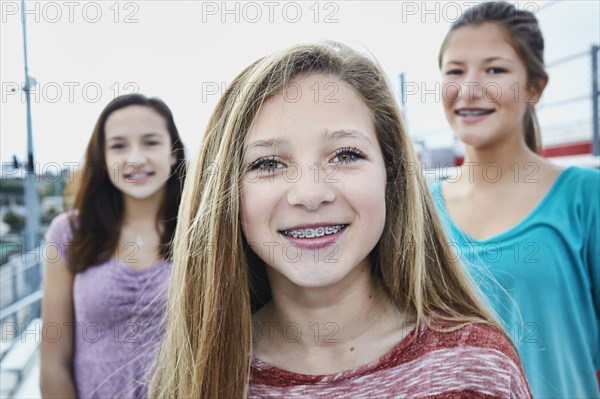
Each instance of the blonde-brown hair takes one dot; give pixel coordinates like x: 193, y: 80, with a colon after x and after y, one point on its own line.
x: 524, y: 35
x: 217, y: 281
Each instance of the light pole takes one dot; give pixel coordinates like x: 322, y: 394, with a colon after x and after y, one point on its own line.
x: 32, y: 218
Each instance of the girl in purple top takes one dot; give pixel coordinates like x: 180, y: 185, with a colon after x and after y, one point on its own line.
x: 105, y: 288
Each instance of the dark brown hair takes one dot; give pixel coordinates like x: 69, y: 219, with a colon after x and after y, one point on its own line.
x: 99, y: 204
x: 524, y: 35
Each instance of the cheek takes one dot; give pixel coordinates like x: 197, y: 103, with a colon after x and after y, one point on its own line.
x: 372, y: 211
x: 164, y: 159
x: 113, y: 167
x: 245, y: 210
x: 116, y: 161
x: 450, y: 93
x: 512, y: 98
x: 377, y: 204
x: 368, y: 194
x: 494, y: 93
x: 255, y: 205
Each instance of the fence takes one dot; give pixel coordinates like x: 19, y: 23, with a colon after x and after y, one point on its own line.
x: 20, y: 294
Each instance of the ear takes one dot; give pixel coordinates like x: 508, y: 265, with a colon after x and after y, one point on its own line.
x: 173, y: 160
x: 536, y: 89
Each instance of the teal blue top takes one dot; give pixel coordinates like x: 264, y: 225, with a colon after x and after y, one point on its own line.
x: 547, y: 294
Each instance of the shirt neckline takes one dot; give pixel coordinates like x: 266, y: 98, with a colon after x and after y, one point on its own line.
x: 297, y: 378
x: 122, y: 265
x: 520, y: 224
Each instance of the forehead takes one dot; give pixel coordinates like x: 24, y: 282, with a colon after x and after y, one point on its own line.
x: 135, y: 119
x: 312, y: 105
x: 479, y: 41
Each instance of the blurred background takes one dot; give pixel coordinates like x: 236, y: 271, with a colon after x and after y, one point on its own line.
x: 82, y: 54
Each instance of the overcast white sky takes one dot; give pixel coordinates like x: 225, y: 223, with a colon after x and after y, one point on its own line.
x: 84, y: 53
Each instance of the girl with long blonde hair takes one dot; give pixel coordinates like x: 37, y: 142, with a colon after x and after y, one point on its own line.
x: 309, y: 261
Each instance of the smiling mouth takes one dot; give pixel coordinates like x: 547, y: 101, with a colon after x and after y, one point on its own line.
x: 139, y: 176
x: 314, y: 232
x: 473, y: 112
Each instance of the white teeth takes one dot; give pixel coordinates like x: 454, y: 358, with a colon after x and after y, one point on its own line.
x: 474, y: 112
x: 311, y: 233
x: 139, y: 175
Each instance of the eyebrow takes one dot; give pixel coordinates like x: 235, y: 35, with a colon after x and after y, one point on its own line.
x: 487, y: 60
x: 327, y: 136
x: 355, y: 134
x: 145, y: 135
x: 274, y: 142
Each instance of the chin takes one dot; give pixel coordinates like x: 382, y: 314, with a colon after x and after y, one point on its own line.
x: 316, y: 283
x: 140, y: 195
x: 473, y: 139
x: 306, y: 276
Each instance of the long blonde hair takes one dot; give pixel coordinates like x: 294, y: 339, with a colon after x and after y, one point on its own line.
x: 217, y: 282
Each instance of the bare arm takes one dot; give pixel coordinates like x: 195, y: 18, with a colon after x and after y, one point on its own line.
x: 56, y: 348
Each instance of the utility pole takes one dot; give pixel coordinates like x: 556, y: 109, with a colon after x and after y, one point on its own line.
x: 32, y: 218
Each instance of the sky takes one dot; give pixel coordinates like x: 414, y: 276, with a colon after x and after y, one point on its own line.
x: 84, y: 53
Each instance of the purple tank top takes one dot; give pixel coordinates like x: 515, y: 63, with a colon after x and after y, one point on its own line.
x: 118, y: 313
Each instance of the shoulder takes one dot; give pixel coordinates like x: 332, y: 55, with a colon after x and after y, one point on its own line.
x: 435, y: 186
x: 61, y: 227
x: 64, y: 220
x: 584, y: 179
x: 65, y: 217
x: 454, y: 336
x: 585, y: 173
x: 473, y: 354
x: 578, y: 192
x: 435, y: 190
x: 473, y: 335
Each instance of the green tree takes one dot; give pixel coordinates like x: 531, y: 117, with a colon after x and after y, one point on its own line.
x: 51, y: 214
x: 14, y: 220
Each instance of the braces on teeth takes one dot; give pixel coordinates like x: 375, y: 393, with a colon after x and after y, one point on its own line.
x: 311, y: 233
x: 474, y: 112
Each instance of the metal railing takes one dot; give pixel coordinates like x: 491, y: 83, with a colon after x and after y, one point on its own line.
x: 20, y: 308
x: 20, y: 294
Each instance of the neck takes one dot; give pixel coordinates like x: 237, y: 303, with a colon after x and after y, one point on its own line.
x: 142, y: 212
x: 503, y: 163
x: 325, y: 316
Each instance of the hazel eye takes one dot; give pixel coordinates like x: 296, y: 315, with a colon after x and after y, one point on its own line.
x: 267, y: 164
x: 347, y: 155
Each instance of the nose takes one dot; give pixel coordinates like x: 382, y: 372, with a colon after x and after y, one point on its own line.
x: 136, y: 157
x: 472, y: 87
x: 311, y: 188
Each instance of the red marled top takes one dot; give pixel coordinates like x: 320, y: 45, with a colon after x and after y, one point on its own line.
x: 475, y: 361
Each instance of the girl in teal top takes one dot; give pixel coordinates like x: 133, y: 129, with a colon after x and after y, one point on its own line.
x: 542, y: 277
x: 527, y: 229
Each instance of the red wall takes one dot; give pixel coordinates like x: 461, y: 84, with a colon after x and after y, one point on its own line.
x: 561, y: 150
